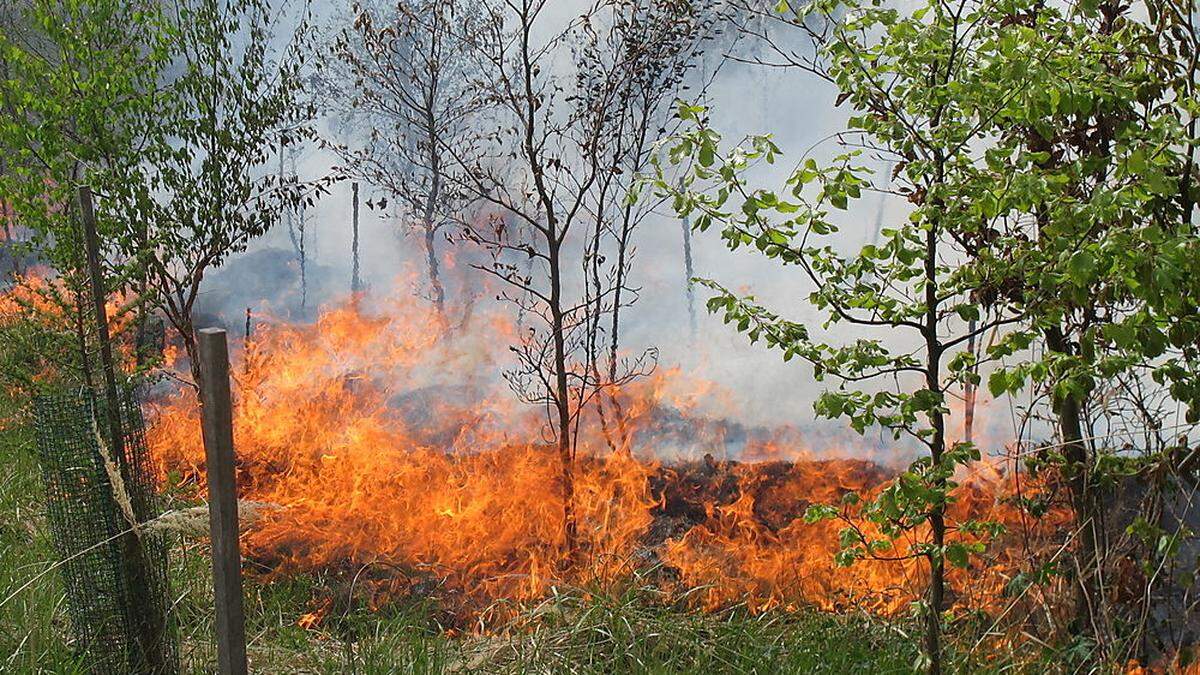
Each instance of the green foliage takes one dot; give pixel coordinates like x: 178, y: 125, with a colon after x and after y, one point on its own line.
x: 78, y: 97
x: 40, y: 345
x: 1040, y: 170
x: 1046, y: 155
x: 1093, y: 244
x: 168, y: 112
x: 918, y: 277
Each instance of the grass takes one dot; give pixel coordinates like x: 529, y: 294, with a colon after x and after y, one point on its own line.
x: 34, y: 620
x: 621, y: 630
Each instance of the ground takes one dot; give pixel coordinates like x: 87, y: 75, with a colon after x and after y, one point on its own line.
x: 622, y: 631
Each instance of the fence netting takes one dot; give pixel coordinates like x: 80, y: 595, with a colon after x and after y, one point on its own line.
x: 116, y: 579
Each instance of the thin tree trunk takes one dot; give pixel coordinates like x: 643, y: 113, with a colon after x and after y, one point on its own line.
x: 688, y: 273
x: 431, y: 200
x: 562, y: 402
x: 969, y: 390
x: 81, y: 340
x: 937, y: 446
x: 355, y: 281
x: 1087, y: 513
x: 615, y: 336
x: 439, y: 293
x: 593, y: 262
x: 303, y: 255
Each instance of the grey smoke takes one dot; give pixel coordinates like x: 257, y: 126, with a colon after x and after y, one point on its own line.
x: 756, y: 387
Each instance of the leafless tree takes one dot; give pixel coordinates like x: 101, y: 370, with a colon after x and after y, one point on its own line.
x: 297, y: 220
x: 573, y: 105
x: 656, y: 43
x: 401, y: 75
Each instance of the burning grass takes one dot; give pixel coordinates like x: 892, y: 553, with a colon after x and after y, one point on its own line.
x: 412, y: 487
x: 402, y: 466
x: 599, y: 633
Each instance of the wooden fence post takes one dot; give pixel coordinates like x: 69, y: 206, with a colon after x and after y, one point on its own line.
x: 222, y: 500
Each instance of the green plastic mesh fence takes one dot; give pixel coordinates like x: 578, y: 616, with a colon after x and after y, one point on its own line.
x: 116, y: 582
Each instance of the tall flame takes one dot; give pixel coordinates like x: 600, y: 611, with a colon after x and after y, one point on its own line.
x: 386, y: 439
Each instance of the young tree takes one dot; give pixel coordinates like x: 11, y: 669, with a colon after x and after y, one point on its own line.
x: 537, y: 170
x: 1046, y: 211
x: 403, y: 75
x: 208, y: 190
x: 657, y: 43
x: 297, y: 220
x: 170, y: 121
x: 570, y: 109
x: 78, y: 96
x: 925, y: 85
x: 1100, y: 262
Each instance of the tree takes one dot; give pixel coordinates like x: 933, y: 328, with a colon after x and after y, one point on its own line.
x: 1050, y: 212
x: 227, y: 112
x: 1095, y: 179
x: 170, y: 122
x: 78, y: 96
x: 404, y: 76
x: 924, y: 85
x: 573, y: 106
x: 657, y: 43
x: 297, y: 221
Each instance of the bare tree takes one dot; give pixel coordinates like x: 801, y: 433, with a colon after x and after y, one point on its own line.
x: 656, y: 44
x: 573, y: 105
x: 297, y: 220
x: 400, y: 74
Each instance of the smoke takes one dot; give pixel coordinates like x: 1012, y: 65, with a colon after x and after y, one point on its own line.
x: 751, y: 384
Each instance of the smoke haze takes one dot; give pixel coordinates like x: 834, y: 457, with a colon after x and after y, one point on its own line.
x: 751, y: 384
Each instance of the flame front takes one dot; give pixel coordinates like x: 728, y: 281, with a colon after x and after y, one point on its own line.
x: 386, y: 441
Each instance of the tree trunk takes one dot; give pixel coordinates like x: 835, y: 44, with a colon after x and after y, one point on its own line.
x: 431, y: 200
x: 355, y: 281
x: 562, y: 402
x: 615, y: 330
x: 187, y: 334
x: 937, y: 446
x: 970, y: 390
x: 85, y: 364
x: 439, y: 293
x: 688, y: 272
x: 594, y: 317
x: 1083, y: 502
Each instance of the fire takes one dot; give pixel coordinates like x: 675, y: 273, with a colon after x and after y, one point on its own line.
x: 29, y: 294
x: 394, y: 451
x: 37, y: 305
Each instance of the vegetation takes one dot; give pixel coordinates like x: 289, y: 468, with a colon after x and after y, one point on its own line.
x: 1040, y: 168
x: 168, y: 121
x: 1047, y: 181
x: 601, y: 631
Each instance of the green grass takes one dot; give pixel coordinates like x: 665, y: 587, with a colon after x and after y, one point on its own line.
x: 33, y: 621
x: 623, y: 630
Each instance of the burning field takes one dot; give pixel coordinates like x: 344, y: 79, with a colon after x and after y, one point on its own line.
x: 393, y: 457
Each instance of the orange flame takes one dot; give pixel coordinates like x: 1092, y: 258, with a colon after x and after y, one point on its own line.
x: 388, y: 442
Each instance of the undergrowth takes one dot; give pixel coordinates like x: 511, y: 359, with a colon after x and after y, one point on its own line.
x: 623, y: 630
